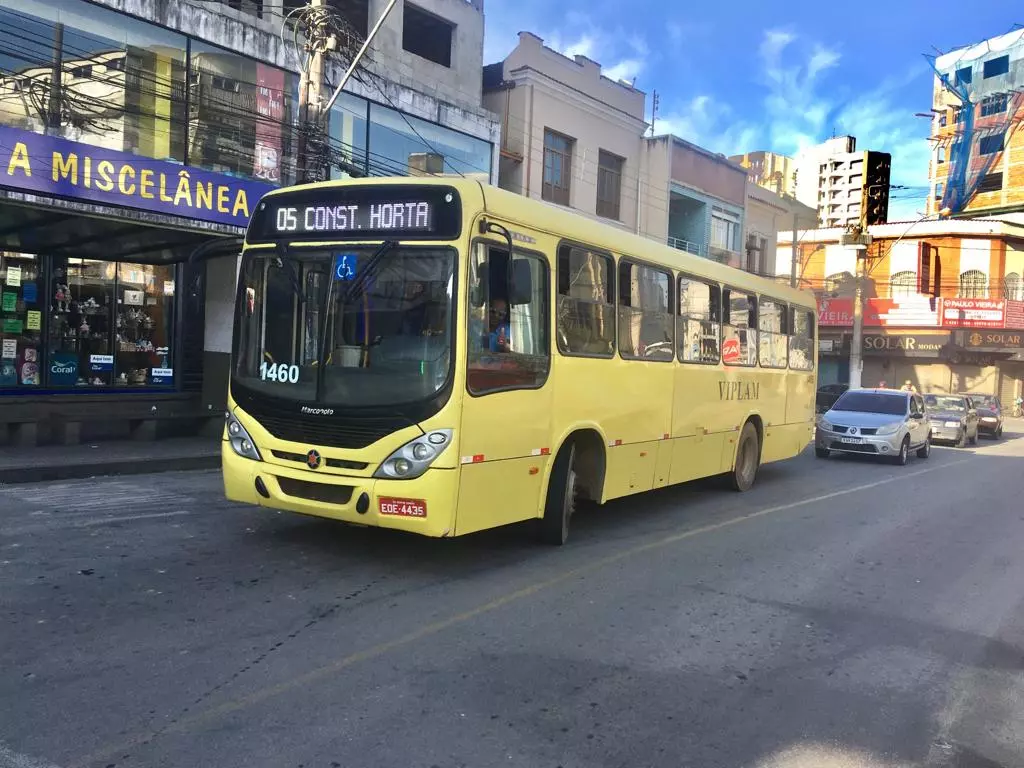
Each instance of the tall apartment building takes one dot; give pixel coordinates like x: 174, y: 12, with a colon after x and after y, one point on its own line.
x: 774, y: 172
x: 131, y: 132
x: 840, y: 182
x: 977, y: 164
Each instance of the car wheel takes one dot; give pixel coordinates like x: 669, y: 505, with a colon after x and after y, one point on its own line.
x: 822, y: 453
x: 904, y: 454
x: 961, y: 440
x: 748, y: 459
x: 925, y: 450
x: 561, y: 498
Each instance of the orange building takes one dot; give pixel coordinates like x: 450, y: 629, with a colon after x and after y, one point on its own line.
x: 977, y: 164
x: 943, y: 303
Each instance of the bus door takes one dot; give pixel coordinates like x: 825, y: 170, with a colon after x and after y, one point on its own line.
x: 506, y: 414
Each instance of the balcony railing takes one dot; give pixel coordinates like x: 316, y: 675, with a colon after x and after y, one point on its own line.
x: 686, y: 245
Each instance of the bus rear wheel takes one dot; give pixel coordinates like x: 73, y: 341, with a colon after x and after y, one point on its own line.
x: 748, y: 459
x: 560, y: 503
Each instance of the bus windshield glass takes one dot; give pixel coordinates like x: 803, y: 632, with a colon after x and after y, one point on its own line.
x: 347, y: 327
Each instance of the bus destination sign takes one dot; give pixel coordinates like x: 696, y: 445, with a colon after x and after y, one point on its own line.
x: 358, y: 212
x: 404, y: 216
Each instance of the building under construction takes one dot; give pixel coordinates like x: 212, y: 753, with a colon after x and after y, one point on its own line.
x: 977, y: 166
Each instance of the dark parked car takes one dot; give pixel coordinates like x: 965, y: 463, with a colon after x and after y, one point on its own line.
x: 954, y: 419
x: 990, y: 415
x: 827, y: 396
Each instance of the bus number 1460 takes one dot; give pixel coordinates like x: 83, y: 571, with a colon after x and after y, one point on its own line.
x: 282, y: 372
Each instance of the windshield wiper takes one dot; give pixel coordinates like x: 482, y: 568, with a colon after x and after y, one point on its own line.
x: 357, y: 282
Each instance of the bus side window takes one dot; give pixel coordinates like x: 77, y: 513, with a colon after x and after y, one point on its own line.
x: 646, y: 329
x: 508, y: 323
x: 586, y: 302
x: 801, y: 340
x: 739, y: 334
x: 772, y: 333
x: 700, y: 314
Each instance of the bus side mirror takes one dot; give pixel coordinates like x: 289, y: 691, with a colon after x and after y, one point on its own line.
x: 521, y: 290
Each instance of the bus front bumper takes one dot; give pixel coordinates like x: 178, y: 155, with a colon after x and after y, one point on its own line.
x: 424, y: 505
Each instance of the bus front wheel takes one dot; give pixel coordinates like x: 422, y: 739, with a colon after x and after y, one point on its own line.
x: 561, y: 498
x: 748, y: 459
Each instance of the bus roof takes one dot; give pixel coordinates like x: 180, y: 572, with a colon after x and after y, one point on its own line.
x: 576, y: 227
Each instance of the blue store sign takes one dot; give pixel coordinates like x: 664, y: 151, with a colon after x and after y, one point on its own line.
x: 55, y: 166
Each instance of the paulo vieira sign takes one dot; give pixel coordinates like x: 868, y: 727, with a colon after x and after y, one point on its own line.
x: 54, y: 166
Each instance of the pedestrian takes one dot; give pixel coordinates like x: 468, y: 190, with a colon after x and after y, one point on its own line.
x: 882, y: 384
x: 907, y: 386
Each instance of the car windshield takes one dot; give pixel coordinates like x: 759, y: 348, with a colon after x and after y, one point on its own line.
x: 872, y: 402
x: 943, y: 403
x: 380, y: 327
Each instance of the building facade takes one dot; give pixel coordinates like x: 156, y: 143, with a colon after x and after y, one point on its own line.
x: 771, y: 171
x: 841, y: 182
x: 570, y: 136
x: 767, y: 214
x: 943, y: 304
x: 696, y: 199
x: 134, y: 131
x: 977, y: 164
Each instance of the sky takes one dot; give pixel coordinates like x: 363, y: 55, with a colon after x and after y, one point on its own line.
x: 740, y: 76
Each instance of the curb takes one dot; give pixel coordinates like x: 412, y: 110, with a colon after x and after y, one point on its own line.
x: 78, y: 471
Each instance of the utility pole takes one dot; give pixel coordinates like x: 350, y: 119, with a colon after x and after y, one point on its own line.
x: 310, y: 149
x: 796, y: 251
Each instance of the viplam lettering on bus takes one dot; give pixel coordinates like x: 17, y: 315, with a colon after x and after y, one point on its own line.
x: 738, y: 390
x: 56, y: 166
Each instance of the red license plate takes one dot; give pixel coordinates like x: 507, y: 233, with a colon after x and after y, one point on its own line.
x: 403, y: 507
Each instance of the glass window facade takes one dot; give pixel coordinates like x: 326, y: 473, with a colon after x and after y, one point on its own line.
x: 122, y: 84
x: 405, y: 145
x: 131, y: 86
x: 74, y: 323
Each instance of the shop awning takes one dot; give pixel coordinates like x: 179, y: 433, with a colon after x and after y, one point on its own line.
x: 66, y: 232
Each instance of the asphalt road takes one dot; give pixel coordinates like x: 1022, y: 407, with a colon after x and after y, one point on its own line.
x: 843, y: 614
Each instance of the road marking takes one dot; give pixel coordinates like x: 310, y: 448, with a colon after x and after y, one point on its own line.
x: 11, y: 759
x: 58, y: 523
x: 434, y: 628
x: 129, y: 518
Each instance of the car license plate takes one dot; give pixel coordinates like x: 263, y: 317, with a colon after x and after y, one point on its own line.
x: 852, y: 440
x: 403, y: 507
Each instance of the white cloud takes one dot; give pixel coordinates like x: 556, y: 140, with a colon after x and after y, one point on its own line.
x: 627, y: 70
x: 822, y: 59
x: 798, y: 110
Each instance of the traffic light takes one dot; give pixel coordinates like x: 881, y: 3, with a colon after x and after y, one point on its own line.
x: 875, y: 193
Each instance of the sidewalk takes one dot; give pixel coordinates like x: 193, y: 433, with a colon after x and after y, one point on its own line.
x: 120, y: 457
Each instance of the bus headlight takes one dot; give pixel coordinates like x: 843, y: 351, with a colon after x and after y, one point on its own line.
x: 413, y: 458
x: 240, y: 441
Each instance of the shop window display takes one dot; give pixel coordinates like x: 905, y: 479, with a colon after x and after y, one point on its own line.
x: 145, y: 316
x: 20, y: 331
x: 80, y: 323
x: 110, y: 324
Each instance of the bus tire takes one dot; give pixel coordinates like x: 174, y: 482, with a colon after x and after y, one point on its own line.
x: 560, y: 502
x: 748, y: 459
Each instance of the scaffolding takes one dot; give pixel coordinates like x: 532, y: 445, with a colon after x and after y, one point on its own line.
x: 985, y: 107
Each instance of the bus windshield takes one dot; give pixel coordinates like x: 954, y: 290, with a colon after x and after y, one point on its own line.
x: 347, y: 327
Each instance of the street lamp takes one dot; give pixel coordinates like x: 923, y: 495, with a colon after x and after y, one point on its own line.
x: 859, y: 239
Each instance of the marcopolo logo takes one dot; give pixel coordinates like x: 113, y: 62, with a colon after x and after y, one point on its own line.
x: 316, y: 411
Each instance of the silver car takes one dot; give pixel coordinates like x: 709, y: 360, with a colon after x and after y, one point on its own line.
x: 876, y: 422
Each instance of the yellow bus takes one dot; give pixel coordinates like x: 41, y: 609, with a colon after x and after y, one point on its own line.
x: 392, y: 365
